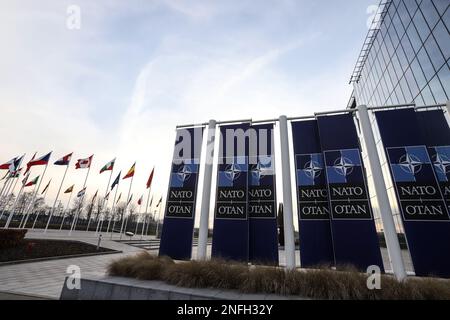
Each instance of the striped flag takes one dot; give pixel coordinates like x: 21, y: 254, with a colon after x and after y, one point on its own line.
x: 130, y: 172
x: 39, y: 161
x: 10, y: 165
x: 64, y: 161
x: 109, y: 166
x: 46, y: 187
x: 81, y: 193
x: 84, y: 163
x: 150, y: 178
x: 32, y: 182
x: 116, y: 181
x: 70, y: 189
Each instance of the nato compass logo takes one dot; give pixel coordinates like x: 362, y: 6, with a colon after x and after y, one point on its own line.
x: 183, y: 173
x: 310, y: 169
x: 344, y: 166
x: 261, y: 170
x: 441, y: 162
x: 410, y: 164
x: 234, y: 173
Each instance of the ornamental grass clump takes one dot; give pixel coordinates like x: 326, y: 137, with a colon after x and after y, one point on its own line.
x: 345, y: 283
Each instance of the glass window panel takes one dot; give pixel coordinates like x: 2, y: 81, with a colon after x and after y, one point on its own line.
x: 437, y: 90
x: 421, y: 26
x: 399, y: 93
x: 419, y: 100
x: 389, y: 46
x: 405, y: 89
x: 442, y: 37
x: 409, y: 51
x: 427, y: 96
x: 446, y: 18
x: 425, y: 63
x: 414, y: 37
x: 403, y: 14
x: 402, y: 58
x: 397, y: 23
x: 418, y: 74
x: 397, y: 67
x: 430, y: 13
x: 441, y: 5
x: 435, y: 54
x: 412, y: 82
x: 444, y: 76
x: 412, y: 7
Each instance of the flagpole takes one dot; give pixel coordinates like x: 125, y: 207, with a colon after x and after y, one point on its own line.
x: 34, y: 197
x: 67, y: 208
x: 6, y: 188
x: 74, y: 222
x: 26, y: 207
x: 56, y: 200
x: 45, y: 194
x: 157, y: 224
x: 137, y: 224
x: 103, y: 204
x: 126, y: 207
x: 112, y: 214
x: 6, y: 204
x: 11, y: 213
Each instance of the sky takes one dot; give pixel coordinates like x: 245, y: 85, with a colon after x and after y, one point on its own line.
x: 118, y: 85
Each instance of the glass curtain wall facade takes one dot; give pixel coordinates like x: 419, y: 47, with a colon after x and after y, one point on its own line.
x: 408, y: 56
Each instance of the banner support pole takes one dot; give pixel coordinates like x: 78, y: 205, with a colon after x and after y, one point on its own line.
x: 288, y: 219
x: 392, y: 243
x: 206, y: 196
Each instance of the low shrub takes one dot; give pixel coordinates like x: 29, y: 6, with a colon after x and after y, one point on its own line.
x: 11, y: 238
x: 344, y: 284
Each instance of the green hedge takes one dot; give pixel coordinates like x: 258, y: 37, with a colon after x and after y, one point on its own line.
x: 11, y: 238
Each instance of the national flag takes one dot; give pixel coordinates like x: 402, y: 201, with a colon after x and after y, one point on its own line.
x: 70, y: 189
x: 84, y: 163
x: 64, y: 161
x: 159, y: 202
x: 130, y: 172
x: 118, y: 198
x: 151, y: 201
x: 116, y: 181
x: 10, y: 165
x: 16, y: 165
x: 129, y: 200
x: 39, y: 161
x: 28, y: 168
x: 150, y: 178
x: 32, y: 182
x: 140, y: 200
x: 107, y: 196
x: 109, y: 166
x: 81, y: 193
x: 46, y: 187
x: 14, y: 174
x: 6, y: 175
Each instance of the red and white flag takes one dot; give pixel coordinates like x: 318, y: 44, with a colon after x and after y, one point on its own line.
x: 84, y: 163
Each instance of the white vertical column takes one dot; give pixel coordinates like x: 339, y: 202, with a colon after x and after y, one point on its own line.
x: 390, y: 233
x: 288, y: 219
x: 206, y: 192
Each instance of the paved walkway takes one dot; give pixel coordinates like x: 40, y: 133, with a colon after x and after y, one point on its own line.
x: 46, y: 278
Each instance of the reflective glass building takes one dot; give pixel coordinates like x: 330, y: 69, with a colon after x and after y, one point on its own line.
x: 405, y: 57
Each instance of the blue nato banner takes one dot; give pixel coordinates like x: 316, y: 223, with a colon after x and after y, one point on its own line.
x: 262, y: 208
x: 416, y: 178
x: 231, y: 225
x: 179, y: 215
x: 355, y: 239
x: 316, y: 244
